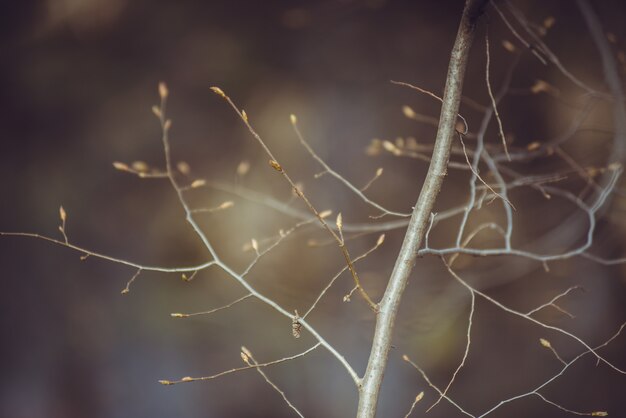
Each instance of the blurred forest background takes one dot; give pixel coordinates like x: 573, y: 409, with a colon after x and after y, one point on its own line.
x: 77, y: 83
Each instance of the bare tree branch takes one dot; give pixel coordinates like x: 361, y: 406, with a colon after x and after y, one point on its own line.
x: 372, y: 380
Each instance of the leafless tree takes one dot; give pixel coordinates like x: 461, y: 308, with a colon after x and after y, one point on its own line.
x: 494, y: 167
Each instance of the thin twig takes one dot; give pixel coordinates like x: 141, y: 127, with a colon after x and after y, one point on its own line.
x: 465, y: 353
x: 187, y: 315
x: 432, y: 385
x: 524, y: 42
x: 329, y: 170
x: 415, y: 401
x: 110, y: 258
x: 237, y: 369
x: 553, y: 300
x: 531, y: 319
x: 493, y: 99
x: 434, y: 96
x: 132, y: 279
x: 336, y: 276
x: 248, y: 358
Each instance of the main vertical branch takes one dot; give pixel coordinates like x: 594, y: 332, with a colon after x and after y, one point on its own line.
x: 370, y: 387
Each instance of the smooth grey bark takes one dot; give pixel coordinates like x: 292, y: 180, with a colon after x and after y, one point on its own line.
x: 388, y: 307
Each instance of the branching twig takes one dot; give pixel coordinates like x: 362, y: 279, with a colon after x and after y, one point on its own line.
x: 531, y: 319
x: 553, y: 300
x: 246, y: 356
x: 238, y: 369
x: 279, y: 168
x: 380, y: 241
x: 354, y: 189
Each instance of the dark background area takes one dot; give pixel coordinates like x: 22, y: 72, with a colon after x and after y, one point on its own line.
x: 77, y: 81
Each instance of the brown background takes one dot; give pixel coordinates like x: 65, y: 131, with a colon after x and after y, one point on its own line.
x: 78, y: 79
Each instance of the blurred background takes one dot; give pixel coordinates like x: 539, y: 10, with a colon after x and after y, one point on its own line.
x: 78, y: 81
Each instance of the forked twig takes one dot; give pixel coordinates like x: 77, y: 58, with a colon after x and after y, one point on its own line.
x: 280, y: 169
x: 329, y: 170
x: 247, y: 357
